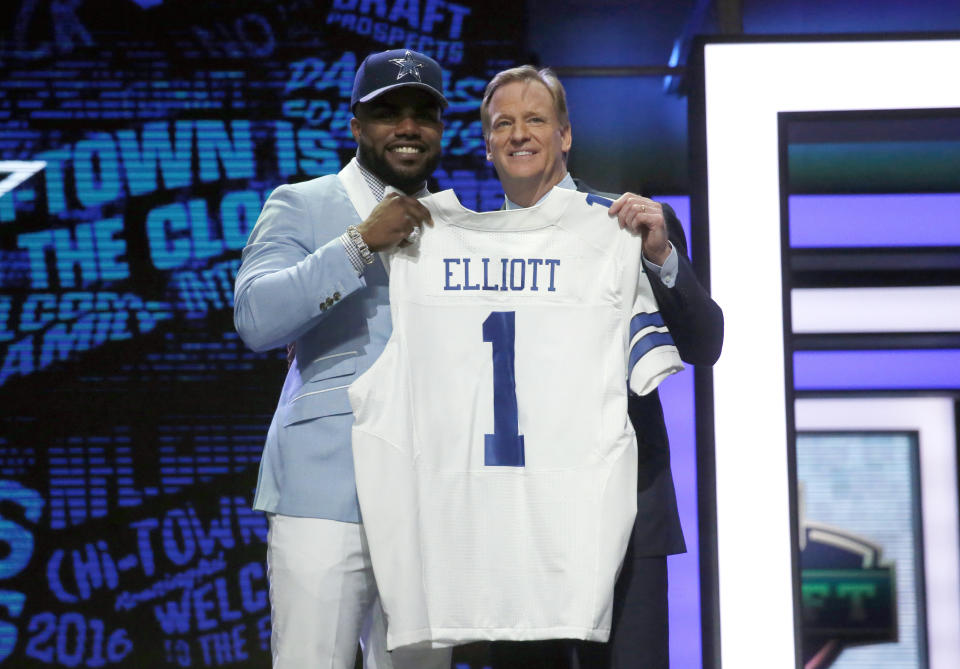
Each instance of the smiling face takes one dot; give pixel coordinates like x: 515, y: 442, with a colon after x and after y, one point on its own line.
x: 526, y: 141
x: 398, y: 136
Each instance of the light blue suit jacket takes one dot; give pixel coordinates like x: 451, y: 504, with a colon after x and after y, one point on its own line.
x: 296, y: 283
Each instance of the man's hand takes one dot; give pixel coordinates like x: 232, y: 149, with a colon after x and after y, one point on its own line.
x: 392, y: 220
x: 644, y: 216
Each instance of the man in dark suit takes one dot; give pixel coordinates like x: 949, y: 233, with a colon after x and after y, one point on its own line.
x: 528, y: 137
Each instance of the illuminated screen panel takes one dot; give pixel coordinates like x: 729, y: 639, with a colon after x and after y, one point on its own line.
x: 138, y: 142
x: 933, y: 421
x: 871, y: 326
x: 866, y: 370
x: 861, y: 550
x: 874, y: 219
x: 862, y: 310
x: 746, y: 87
x: 677, y: 397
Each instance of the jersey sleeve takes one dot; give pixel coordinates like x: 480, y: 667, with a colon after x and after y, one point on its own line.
x: 652, y: 355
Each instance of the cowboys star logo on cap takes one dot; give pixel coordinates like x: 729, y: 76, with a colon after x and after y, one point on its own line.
x: 407, y: 65
x: 397, y: 68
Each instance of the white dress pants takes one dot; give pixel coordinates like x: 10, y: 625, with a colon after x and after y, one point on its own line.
x: 323, y: 598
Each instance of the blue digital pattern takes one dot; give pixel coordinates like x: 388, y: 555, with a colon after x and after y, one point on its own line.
x: 134, y: 416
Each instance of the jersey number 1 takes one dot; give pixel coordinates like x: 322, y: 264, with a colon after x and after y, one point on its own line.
x: 503, y: 448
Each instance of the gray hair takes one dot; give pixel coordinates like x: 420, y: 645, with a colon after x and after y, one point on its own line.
x: 526, y: 73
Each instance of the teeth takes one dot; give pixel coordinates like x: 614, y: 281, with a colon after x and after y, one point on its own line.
x: 523, y: 153
x: 405, y: 149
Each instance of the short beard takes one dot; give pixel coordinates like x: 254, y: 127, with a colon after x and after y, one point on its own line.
x: 382, y: 169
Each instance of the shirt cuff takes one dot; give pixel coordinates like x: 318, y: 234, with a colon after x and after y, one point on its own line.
x: 668, y: 271
x: 352, y: 253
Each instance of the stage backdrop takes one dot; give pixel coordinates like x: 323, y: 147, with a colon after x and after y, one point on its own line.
x: 138, y: 142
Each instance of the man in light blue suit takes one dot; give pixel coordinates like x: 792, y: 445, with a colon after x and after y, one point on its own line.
x: 311, y: 274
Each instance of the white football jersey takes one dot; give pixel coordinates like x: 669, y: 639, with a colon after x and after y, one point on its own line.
x: 496, y: 466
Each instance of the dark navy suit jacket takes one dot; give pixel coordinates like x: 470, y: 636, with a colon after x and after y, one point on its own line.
x: 696, y: 324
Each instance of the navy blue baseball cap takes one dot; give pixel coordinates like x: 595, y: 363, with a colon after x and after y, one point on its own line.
x: 387, y: 70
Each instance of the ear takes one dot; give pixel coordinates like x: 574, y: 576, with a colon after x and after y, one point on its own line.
x: 486, y: 142
x: 566, y: 139
x: 355, y: 129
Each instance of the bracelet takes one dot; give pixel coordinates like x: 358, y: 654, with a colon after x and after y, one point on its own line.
x: 365, y: 254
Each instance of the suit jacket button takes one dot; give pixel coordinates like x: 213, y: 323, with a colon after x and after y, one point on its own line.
x: 329, y: 302
x: 323, y: 306
x: 336, y: 296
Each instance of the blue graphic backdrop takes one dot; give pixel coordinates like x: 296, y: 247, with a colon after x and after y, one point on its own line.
x: 138, y: 142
